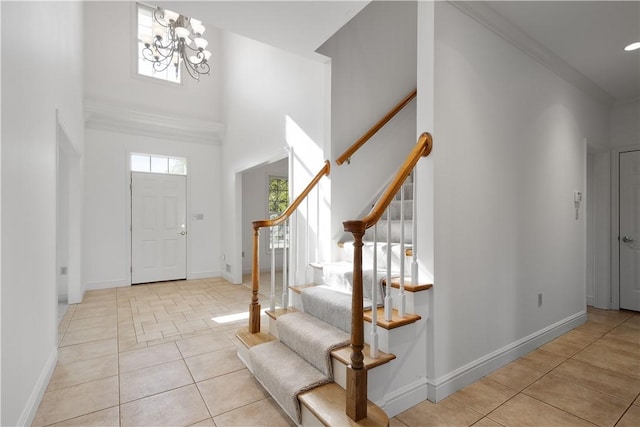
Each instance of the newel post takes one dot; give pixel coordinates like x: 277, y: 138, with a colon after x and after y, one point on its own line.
x: 356, y: 407
x: 254, y: 307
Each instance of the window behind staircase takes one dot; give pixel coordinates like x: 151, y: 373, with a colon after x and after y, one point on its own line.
x: 278, y: 200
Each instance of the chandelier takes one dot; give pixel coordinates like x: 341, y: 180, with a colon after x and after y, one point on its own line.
x: 176, y: 39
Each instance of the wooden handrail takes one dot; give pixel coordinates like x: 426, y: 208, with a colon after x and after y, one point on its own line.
x: 356, y: 405
x: 254, y: 307
x: 346, y: 156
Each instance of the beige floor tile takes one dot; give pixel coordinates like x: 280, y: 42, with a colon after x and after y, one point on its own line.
x: 106, y: 418
x: 562, y: 347
x: 603, y: 380
x: 626, y: 333
x: 92, y: 310
x: 265, y: 412
x: 153, y: 380
x: 604, y: 354
x: 484, y: 395
x: 74, y: 401
x: 540, y: 360
x: 447, y: 412
x: 230, y: 391
x: 633, y: 322
x: 205, y: 423
x: 515, y: 376
x: 580, y: 337
x: 209, y: 365
x: 179, y: 407
x: 84, y: 371
x: 90, y: 350
x: 583, y: 402
x: 596, y: 328
x: 203, y: 344
x: 525, y: 411
x: 148, y: 356
x: 487, y: 422
x: 92, y: 322
x: 631, y: 418
x: 89, y: 334
x: 394, y: 422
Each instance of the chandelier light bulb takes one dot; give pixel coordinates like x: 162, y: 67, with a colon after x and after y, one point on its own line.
x: 146, y: 40
x: 158, y: 30
x: 201, y: 43
x: 182, y: 33
x: 207, y: 55
x: 170, y: 15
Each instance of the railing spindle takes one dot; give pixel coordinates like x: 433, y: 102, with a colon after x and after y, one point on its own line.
x: 374, y: 297
x: 388, y: 303
x: 414, y: 226
x: 285, y: 265
x: 272, y: 294
x: 403, y: 301
x: 254, y: 307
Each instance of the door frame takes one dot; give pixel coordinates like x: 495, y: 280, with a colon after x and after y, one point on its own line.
x: 129, y: 221
x: 615, y: 221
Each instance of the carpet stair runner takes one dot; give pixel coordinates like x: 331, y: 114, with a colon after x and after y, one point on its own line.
x: 299, y: 361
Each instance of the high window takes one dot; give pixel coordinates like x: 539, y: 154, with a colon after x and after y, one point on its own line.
x: 278, y: 200
x: 158, y: 164
x: 145, y: 68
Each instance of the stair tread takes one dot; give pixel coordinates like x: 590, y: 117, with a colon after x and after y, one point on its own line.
x: 328, y: 401
x: 395, y: 322
x: 408, y: 286
x: 250, y: 340
x: 299, y: 288
x: 344, y: 356
x: 280, y: 312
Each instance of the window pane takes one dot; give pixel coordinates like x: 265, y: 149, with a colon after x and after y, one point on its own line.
x: 178, y: 166
x: 159, y: 164
x: 140, y: 163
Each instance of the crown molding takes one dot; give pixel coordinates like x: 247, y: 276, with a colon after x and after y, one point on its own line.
x: 104, y: 116
x: 487, y: 16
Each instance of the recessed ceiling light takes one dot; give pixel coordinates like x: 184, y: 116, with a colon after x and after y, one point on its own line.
x: 632, y: 46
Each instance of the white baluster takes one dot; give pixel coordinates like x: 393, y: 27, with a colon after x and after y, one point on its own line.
x: 388, y: 303
x: 272, y: 304
x: 414, y: 226
x: 317, y: 257
x: 285, y: 286
x: 306, y: 244
x: 402, y: 304
x: 374, y: 297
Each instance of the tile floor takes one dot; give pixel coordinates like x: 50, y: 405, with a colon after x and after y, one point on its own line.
x: 165, y: 354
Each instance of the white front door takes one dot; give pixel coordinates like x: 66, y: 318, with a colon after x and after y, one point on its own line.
x: 630, y: 230
x: 158, y: 227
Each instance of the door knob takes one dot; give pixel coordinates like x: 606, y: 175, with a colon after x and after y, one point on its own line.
x: 627, y: 239
x: 182, y: 233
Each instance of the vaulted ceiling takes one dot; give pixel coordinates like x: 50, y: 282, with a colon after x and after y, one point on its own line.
x: 584, y: 38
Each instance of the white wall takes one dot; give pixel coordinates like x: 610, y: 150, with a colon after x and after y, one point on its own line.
x: 108, y: 210
x: 110, y: 71
x: 255, y: 189
x: 33, y: 88
x: 509, y: 151
x: 274, y: 102
x: 373, y: 67
x: 625, y: 124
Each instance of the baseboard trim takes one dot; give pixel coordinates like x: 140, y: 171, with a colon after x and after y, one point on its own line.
x: 30, y: 409
x: 106, y: 285
x: 204, y: 275
x: 404, y: 398
x: 591, y: 301
x: 471, y: 372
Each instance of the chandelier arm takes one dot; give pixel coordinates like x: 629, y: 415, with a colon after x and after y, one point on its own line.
x: 193, y: 72
x: 159, y: 12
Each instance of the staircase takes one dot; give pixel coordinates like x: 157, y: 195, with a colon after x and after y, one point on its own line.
x: 349, y: 348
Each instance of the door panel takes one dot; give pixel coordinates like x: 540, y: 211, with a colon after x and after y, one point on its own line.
x: 630, y: 230
x: 158, y: 233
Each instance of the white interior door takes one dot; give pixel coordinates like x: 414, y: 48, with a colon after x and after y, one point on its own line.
x: 158, y: 227
x: 630, y: 230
